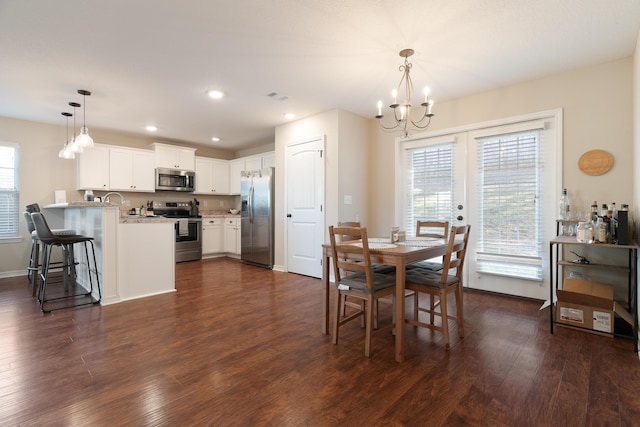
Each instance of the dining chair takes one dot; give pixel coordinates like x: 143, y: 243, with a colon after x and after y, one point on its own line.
x: 355, y: 278
x: 440, y: 285
x: 435, y: 229
x: 377, y: 268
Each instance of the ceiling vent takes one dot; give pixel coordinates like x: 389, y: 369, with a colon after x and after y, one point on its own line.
x: 277, y: 96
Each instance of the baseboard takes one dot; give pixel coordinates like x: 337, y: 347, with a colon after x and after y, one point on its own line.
x: 18, y: 273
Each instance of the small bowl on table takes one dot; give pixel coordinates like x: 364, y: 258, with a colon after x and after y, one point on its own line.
x: 233, y: 211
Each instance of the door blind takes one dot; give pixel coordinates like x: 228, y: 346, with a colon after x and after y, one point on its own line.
x: 430, y: 189
x: 510, y: 239
x: 9, y: 194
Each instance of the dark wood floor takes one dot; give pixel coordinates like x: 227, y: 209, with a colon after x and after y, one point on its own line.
x: 237, y: 345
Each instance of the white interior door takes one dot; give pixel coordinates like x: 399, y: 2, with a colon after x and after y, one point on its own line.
x: 304, y: 166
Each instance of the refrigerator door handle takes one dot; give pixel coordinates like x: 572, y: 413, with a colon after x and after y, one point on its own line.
x: 250, y: 204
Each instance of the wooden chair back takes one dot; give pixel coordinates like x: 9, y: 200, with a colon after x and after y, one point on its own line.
x: 456, y: 251
x: 438, y: 229
x: 349, y: 257
x: 348, y: 224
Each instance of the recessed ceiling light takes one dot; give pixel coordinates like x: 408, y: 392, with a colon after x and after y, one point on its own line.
x: 215, y: 94
x: 151, y: 128
x: 215, y: 139
x: 289, y: 116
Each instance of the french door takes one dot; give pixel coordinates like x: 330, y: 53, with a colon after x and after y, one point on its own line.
x: 501, y: 178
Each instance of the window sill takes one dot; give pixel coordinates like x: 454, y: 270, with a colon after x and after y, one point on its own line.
x: 4, y: 240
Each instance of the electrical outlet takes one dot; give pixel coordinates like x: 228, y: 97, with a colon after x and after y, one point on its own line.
x: 206, y: 203
x: 221, y: 203
x: 127, y: 202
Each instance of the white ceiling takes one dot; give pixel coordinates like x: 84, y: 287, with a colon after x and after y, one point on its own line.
x: 150, y: 61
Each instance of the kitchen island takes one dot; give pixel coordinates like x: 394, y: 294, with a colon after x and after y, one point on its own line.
x: 135, y: 255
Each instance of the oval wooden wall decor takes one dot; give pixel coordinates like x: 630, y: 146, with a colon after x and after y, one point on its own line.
x: 595, y: 162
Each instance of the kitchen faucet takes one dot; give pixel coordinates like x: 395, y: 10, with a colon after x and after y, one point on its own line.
x: 106, y: 199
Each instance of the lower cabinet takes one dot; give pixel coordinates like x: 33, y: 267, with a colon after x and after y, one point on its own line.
x: 232, y: 235
x: 220, y: 236
x: 212, y: 236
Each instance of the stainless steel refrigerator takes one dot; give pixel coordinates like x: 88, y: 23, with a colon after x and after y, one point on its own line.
x: 256, y: 217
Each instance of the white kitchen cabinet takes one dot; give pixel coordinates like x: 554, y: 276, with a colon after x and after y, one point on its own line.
x: 174, y: 157
x: 269, y: 160
x: 212, y: 236
x: 212, y: 176
x: 253, y: 163
x: 131, y: 170
x: 93, y: 168
x: 232, y: 243
x: 235, y: 169
x: 250, y: 163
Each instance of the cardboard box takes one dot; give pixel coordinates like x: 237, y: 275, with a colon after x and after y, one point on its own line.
x: 587, y: 305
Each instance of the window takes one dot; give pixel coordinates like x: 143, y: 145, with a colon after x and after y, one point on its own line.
x: 9, y: 191
x: 430, y: 184
x: 510, y: 239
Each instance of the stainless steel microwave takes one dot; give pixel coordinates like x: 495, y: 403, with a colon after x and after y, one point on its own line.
x: 175, y: 180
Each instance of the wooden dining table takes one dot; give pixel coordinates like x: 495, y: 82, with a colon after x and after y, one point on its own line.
x: 398, y: 254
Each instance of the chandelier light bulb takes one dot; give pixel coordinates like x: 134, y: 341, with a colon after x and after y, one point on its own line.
x: 380, y: 108
x: 394, y: 94
x: 426, y: 91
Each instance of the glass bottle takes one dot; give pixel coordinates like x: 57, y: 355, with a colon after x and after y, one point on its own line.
x: 565, y: 205
x: 601, y: 231
x: 613, y: 229
x: 584, y: 233
x: 594, y: 212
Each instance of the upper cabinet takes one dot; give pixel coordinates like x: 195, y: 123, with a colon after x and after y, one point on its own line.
x: 250, y: 163
x: 131, y: 170
x: 269, y: 160
x: 93, y: 168
x: 212, y: 176
x: 174, y: 157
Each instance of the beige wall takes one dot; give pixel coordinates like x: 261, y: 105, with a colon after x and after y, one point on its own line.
x: 636, y: 139
x: 598, y: 113
x: 346, y: 157
x: 42, y: 172
x: 597, y: 108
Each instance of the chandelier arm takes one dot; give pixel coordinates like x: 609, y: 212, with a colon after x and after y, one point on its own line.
x: 417, y: 124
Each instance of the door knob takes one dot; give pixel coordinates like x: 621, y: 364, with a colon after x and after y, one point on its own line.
x: 460, y: 207
x: 459, y: 217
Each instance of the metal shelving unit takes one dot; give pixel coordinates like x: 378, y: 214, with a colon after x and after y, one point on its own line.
x: 559, y: 242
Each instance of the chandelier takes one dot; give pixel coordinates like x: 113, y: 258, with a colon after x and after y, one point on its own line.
x: 402, y: 112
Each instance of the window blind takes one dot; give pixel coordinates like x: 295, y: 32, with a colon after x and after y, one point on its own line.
x: 510, y: 239
x: 9, y: 193
x: 430, y: 184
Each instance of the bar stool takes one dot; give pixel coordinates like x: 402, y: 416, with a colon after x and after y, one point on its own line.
x: 68, y: 266
x: 34, y: 257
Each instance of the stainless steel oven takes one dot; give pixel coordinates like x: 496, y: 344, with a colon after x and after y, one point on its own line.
x: 188, y: 229
x: 188, y: 239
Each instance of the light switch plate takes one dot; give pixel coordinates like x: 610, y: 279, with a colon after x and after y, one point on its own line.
x: 348, y: 200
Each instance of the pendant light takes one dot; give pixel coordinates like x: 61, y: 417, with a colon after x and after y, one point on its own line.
x: 73, y: 145
x: 66, y: 153
x: 84, y: 140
